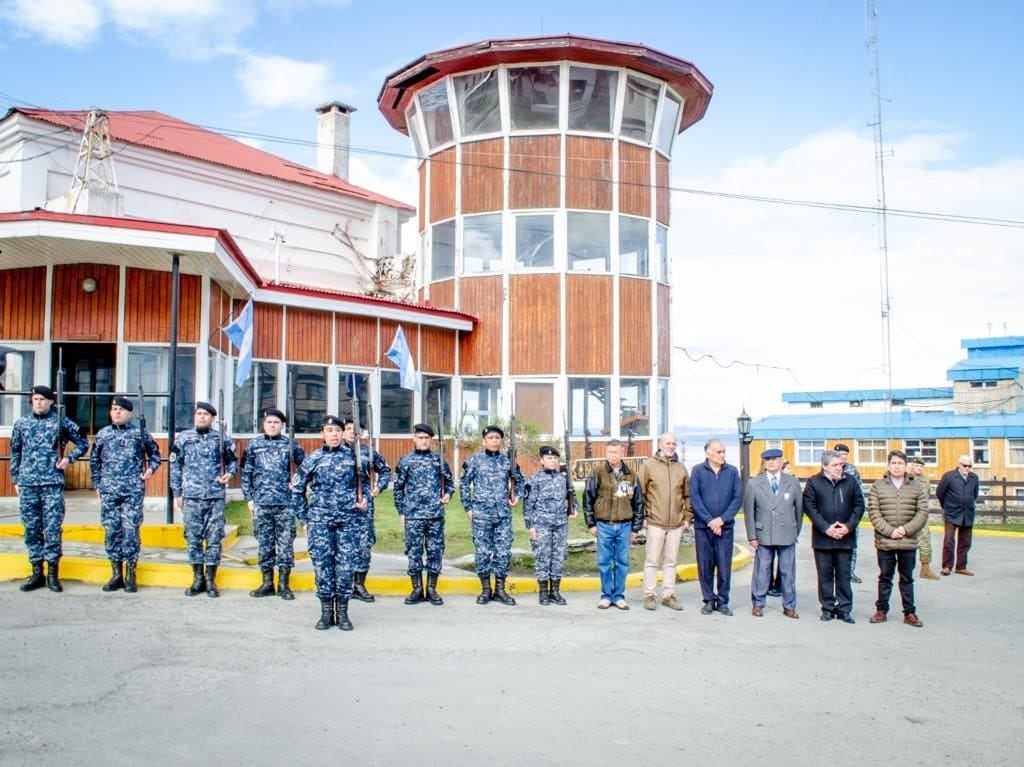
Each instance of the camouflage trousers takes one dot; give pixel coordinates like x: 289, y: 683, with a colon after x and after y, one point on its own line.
x: 367, y: 537
x: 274, y: 528
x: 549, y: 550
x: 334, y: 550
x: 492, y: 544
x: 42, y: 514
x: 424, y: 535
x: 121, y: 516
x: 204, y: 524
x: 924, y: 545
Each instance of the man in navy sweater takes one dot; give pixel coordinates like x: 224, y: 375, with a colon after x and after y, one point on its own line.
x: 716, y: 496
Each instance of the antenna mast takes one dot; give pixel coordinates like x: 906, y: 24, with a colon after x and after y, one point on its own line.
x: 94, y: 169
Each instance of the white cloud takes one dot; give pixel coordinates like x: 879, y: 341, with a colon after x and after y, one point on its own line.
x: 187, y: 29
x: 73, y: 23
x: 278, y: 81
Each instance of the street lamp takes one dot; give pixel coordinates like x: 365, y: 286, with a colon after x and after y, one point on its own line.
x: 743, y: 427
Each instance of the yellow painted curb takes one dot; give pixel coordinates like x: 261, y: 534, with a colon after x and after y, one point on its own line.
x: 152, y: 536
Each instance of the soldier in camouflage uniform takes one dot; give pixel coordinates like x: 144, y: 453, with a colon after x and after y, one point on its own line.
x: 368, y: 533
x: 924, y: 538
x: 546, y: 510
x: 420, y: 500
x: 199, y: 486
x: 123, y: 457
x: 489, y: 488
x: 265, y: 478
x: 334, y: 520
x: 37, y: 472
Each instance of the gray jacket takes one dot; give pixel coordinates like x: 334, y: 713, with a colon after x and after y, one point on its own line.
x: 773, y: 519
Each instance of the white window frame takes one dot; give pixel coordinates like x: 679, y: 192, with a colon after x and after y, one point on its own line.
x: 919, y: 450
x: 870, y: 445
x: 816, y: 446
x: 1010, y: 449
x: 981, y: 444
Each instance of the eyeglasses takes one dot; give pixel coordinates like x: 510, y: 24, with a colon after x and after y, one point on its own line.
x: 966, y: 465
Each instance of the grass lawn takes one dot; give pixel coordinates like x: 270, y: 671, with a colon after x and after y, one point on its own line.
x: 1002, y: 528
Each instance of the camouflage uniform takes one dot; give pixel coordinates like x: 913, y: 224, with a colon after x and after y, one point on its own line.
x: 118, y: 459
x: 924, y: 538
x: 33, y: 469
x: 545, y: 509
x: 265, y: 483
x: 195, y: 466
x: 484, y: 492
x: 418, y: 494
x: 368, y: 533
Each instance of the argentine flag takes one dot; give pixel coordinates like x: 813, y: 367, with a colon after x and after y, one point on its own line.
x: 240, y: 333
x: 402, y: 359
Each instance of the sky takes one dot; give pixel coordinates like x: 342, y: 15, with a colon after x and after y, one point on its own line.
x: 766, y: 298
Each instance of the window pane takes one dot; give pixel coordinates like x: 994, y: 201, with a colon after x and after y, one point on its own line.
x: 589, y: 245
x: 17, y: 371
x: 362, y: 390
x: 535, y: 241
x: 413, y: 121
x: 979, y: 451
x: 433, y: 386
x: 442, y: 251
x: 533, y: 97
x: 395, y: 404
x: 152, y: 363
x: 590, y: 408
x: 254, y: 396
x: 592, y: 99
x: 663, y: 426
x: 1016, y: 449
x: 669, y: 124
x: 926, y: 449
x: 535, y: 404
x: 634, y: 243
x: 477, y: 97
x: 661, y: 252
x: 481, y: 244
x: 872, y: 451
x: 310, y: 382
x: 437, y: 116
x: 633, y: 408
x: 808, y: 451
x: 638, y: 111
x: 479, y: 404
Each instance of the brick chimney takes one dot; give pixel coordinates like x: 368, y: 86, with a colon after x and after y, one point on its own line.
x: 332, y: 137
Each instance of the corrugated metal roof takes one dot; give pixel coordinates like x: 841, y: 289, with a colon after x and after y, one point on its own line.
x: 904, y: 424
x: 854, y: 395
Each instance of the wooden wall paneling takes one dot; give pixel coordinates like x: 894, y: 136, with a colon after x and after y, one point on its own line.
x: 308, y: 335
x: 355, y: 340
x: 391, y: 449
x: 81, y: 316
x: 267, y: 323
x: 664, y: 335
x: 634, y: 326
x: 535, y: 172
x: 422, y: 212
x: 442, y: 294
x: 442, y: 185
x: 6, y: 486
x: 589, y: 325
x: 588, y: 169
x: 22, y: 304
x: 535, y: 332
x: 663, y: 193
x: 437, y: 350
x: 219, y: 309
x: 480, y: 351
x: 147, y: 306
x: 634, y: 180
x: 387, y: 335
x: 483, y: 188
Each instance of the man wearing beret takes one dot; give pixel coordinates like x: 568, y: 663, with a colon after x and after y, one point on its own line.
x: 199, y: 484
x: 369, y: 461
x: 490, y: 487
x: 423, y: 486
x: 37, y: 469
x: 547, y: 508
x: 123, y: 457
x: 924, y: 538
x: 773, y: 511
x: 267, y: 463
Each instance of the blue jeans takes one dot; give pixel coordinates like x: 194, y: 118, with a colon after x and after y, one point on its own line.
x: 613, y: 558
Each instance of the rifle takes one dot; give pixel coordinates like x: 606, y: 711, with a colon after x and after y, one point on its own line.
x: 512, y: 457
x: 223, y: 428
x: 440, y: 442
x: 588, y: 449
x: 355, y: 426
x: 371, y: 470
x: 570, y: 491
x: 290, y: 383
x: 60, y: 442
x: 142, y: 424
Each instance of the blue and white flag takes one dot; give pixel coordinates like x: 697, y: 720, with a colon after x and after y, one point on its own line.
x: 240, y: 333
x: 402, y: 359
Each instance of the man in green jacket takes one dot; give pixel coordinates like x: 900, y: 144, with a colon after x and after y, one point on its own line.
x: 665, y: 486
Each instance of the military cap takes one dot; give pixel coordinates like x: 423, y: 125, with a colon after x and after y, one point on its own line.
x: 332, y: 420
x: 273, y: 412
x: 43, y: 391
x: 207, y: 407
x: 124, y: 403
x: 918, y: 460
x: 772, y: 452
x: 548, y: 450
x: 841, y: 448
x: 492, y: 429
x: 423, y: 428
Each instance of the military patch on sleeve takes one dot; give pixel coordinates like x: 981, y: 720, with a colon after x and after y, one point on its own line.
x: 173, y: 457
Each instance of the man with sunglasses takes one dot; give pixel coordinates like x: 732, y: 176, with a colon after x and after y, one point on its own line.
x: 957, y: 493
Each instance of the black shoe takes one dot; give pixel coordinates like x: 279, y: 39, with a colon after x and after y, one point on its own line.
x: 485, y: 590
x: 774, y: 593
x: 500, y: 595
x: 284, y: 589
x: 556, y: 595
x: 198, y: 582
x: 416, y: 595
x: 35, y: 580
x: 855, y: 578
x: 432, y: 595
x: 342, y: 615
x: 326, y: 614
x: 708, y: 608
x: 116, y: 579
x: 544, y: 595
x: 359, y: 587
x: 847, y: 618
x: 725, y: 610
x: 266, y: 589
x: 827, y: 617
x: 53, y: 577
x: 130, y: 582
x: 211, y: 582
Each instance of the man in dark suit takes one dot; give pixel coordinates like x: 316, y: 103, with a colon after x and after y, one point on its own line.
x: 958, y: 493
x: 834, y: 502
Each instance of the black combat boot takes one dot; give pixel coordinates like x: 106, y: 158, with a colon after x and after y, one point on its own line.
x: 326, y: 614
x: 556, y: 595
x: 53, y: 577
x: 284, y: 589
x: 266, y: 589
x: 544, y: 596
x: 35, y: 580
x: 432, y: 595
x: 500, y: 595
x: 359, y: 587
x: 211, y: 582
x: 130, y: 584
x: 416, y: 595
x: 198, y: 582
x: 485, y: 590
x: 343, y: 622
x: 116, y: 580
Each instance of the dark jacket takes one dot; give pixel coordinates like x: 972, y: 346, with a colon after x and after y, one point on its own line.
x: 607, y: 498
x: 715, y: 495
x: 958, y: 497
x: 826, y: 502
x: 890, y: 507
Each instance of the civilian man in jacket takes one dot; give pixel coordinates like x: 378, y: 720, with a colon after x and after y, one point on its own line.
x: 834, y: 502
x: 716, y: 496
x: 773, y: 511
x: 665, y: 486
x: 958, y: 494
x: 898, y: 509
x: 924, y: 538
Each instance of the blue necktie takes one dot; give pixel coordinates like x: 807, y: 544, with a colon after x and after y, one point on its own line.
x: 775, y: 485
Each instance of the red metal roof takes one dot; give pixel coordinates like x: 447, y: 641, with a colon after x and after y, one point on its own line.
x: 169, y: 134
